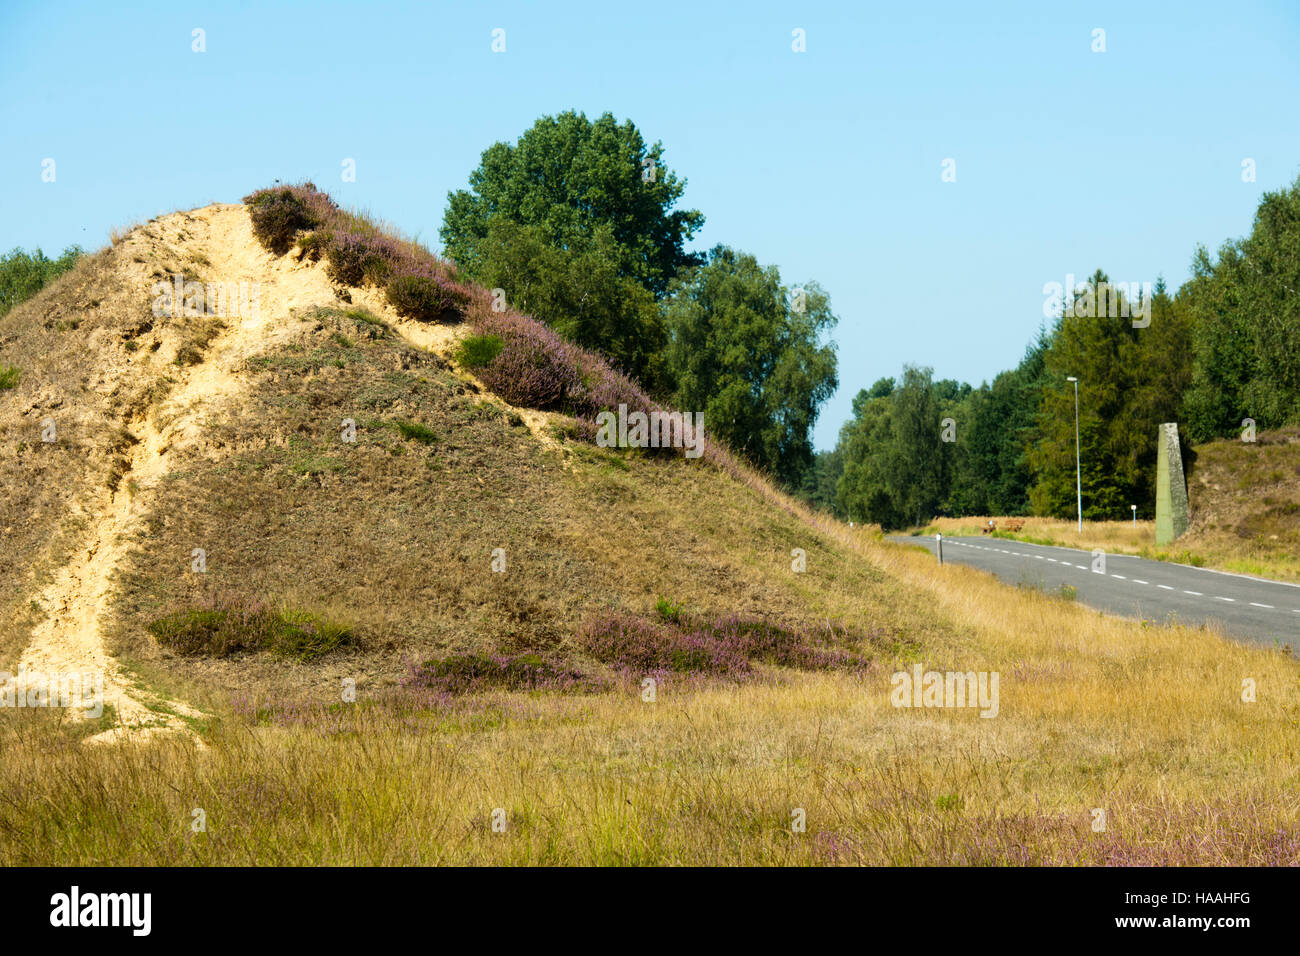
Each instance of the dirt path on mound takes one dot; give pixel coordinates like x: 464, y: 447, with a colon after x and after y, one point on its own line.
x: 70, y: 641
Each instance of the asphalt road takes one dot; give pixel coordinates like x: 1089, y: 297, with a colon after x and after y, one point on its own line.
x: 1264, y: 612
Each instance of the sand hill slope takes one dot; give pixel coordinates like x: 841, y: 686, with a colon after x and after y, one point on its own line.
x: 224, y: 434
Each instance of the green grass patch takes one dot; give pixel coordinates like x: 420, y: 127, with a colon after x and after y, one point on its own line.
x: 669, y: 610
x: 476, y: 351
x: 318, y: 465
x: 414, y: 431
x: 227, y: 627
x: 10, y: 376
x: 365, y: 317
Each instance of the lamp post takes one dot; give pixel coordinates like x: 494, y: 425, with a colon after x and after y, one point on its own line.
x: 1135, y: 515
x: 1078, y: 470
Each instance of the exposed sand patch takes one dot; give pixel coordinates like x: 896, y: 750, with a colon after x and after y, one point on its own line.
x: 70, y: 639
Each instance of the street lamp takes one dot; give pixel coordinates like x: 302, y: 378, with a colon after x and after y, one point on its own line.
x: 1078, y: 470
x: 1135, y: 515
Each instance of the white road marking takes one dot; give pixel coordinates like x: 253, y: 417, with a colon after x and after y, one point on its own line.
x: 1165, y: 586
x: 1197, y: 593
x: 1217, y: 598
x: 1120, y: 576
x: 1255, y: 604
x: 1136, y: 581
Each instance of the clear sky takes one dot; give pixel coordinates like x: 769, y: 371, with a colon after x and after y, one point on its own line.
x: 827, y: 163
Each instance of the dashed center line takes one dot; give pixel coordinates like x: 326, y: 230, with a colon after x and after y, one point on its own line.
x: 1084, y: 567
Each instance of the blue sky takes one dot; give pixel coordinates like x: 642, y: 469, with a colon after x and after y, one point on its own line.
x: 827, y: 163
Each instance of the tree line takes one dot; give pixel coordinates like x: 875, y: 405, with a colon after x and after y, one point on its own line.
x: 1220, y: 356
x: 23, y: 274
x: 575, y: 224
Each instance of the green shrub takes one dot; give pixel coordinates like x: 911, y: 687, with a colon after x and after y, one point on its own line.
x: 476, y: 351
x: 223, y: 626
x: 306, y: 637
x: 669, y: 610
x: 10, y: 376
x: 365, y: 316
x: 425, y: 298
x: 281, y: 212
x: 316, y: 244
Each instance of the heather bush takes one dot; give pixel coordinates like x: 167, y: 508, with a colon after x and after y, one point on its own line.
x: 535, y: 368
x: 316, y: 244
x: 463, y: 673
x: 425, y: 298
x: 357, y: 258
x: 630, y: 643
x: 762, y: 640
x: 724, y: 647
x: 281, y: 212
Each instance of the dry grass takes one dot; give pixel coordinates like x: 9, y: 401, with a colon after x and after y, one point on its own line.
x: 1145, y: 724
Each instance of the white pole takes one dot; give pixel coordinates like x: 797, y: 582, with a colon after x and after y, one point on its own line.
x: 1078, y: 469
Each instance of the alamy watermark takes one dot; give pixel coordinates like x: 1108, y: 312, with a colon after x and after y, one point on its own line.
x: 921, y: 688
x: 83, y: 690
x: 192, y: 298
x: 653, y: 430
x: 130, y: 910
x: 1113, y: 299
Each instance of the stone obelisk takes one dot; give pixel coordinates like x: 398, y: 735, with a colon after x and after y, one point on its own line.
x: 1171, y: 486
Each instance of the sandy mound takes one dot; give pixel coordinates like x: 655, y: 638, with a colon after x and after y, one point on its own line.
x: 71, y: 638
